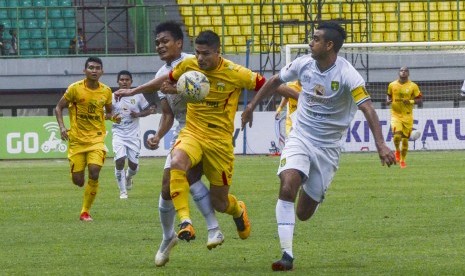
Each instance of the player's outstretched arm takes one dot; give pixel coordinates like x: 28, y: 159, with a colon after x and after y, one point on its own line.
x: 386, y: 155
x: 267, y: 89
x: 148, y: 87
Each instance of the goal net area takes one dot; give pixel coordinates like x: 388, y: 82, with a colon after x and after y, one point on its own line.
x: 439, y: 70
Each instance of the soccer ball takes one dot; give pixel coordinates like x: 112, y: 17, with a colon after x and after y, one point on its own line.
x: 193, y: 86
x: 415, y: 135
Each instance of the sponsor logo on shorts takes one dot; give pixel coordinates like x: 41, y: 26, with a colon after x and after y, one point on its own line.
x: 283, y: 162
x: 175, y: 194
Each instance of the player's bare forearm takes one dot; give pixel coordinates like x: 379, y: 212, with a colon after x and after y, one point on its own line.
x: 166, y: 120
x: 287, y: 92
x: 385, y: 154
x: 270, y: 87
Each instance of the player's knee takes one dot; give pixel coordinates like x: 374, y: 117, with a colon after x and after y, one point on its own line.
x: 119, y: 163
x: 304, y: 215
x: 78, y: 180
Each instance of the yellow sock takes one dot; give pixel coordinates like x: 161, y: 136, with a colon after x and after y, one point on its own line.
x: 180, y: 193
x: 233, y: 208
x: 396, y: 140
x: 89, y: 194
x: 403, y: 152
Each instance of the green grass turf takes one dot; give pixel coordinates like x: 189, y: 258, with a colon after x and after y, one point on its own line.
x: 375, y: 220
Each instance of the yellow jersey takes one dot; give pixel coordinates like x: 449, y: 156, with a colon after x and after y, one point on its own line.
x: 400, y: 92
x: 86, y: 115
x: 291, y: 104
x: 213, y: 118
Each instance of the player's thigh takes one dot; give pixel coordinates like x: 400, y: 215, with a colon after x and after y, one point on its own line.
x: 78, y: 162
x: 133, y: 155
x: 324, y: 164
x: 407, y: 129
x: 95, y: 161
x: 396, y: 125
x: 191, y: 146
x: 218, y: 162
x: 119, y: 149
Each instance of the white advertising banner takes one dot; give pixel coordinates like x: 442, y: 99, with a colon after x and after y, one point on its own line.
x: 441, y: 129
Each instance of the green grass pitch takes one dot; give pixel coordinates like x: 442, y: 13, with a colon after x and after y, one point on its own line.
x: 375, y: 220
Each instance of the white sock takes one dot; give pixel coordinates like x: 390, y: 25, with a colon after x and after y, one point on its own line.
x: 130, y: 173
x: 167, y: 216
x: 121, y: 179
x: 201, y: 196
x: 285, y: 217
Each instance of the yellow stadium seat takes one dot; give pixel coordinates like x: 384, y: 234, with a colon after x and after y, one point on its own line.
x: 458, y: 35
x: 359, y: 7
x: 434, y: 16
x: 445, y: 16
x: 417, y: 7
x: 418, y: 26
x: 219, y: 30
x: 418, y: 36
x: 377, y: 37
x: 214, y: 10
x: 246, y: 30
x: 185, y: 11
x: 419, y: 16
x: 244, y: 20
x: 234, y: 30
x: 406, y: 17
x: 405, y: 37
x: 460, y: 27
x: 445, y: 25
x: 230, y: 20
x: 434, y: 26
x: 229, y: 49
x: 378, y: 27
x: 184, y: 2
x: 459, y: 15
x: 390, y: 37
x: 443, y: 6
x: 404, y: 7
x: 216, y: 20
x: 292, y: 39
x: 228, y: 10
x: 295, y: 9
x: 405, y: 26
x: 389, y: 7
x: 239, y: 40
x: 376, y: 7
x: 200, y: 10
x: 227, y: 40
x: 445, y: 36
x: 392, y: 27
x: 378, y: 17
x: 244, y: 10
x: 204, y: 21
x: 391, y: 17
x: 188, y: 20
x: 335, y: 8
x: 433, y: 36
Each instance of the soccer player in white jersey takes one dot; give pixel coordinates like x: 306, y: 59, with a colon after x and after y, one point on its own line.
x: 169, y: 42
x: 332, y: 90
x: 126, y: 133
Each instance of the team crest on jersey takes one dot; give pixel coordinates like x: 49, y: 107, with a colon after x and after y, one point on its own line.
x: 319, y: 90
x: 133, y: 101
x: 334, y: 85
x: 220, y: 86
x: 283, y: 162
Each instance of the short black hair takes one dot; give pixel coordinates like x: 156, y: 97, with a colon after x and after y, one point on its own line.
x: 172, y: 27
x: 125, y: 73
x: 93, y: 59
x: 209, y: 38
x: 333, y: 32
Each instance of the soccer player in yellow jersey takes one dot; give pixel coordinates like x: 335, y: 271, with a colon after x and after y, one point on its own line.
x: 89, y: 104
x: 207, y: 136
x: 291, y: 105
x: 402, y: 95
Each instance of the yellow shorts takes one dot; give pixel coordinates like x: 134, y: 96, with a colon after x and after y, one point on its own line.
x: 217, y: 156
x: 404, y: 127
x: 79, y: 161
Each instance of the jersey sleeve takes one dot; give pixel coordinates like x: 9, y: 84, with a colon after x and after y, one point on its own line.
x: 250, y: 80
x: 290, y: 71
x: 416, y: 91
x: 360, y: 95
x: 389, y: 90
x: 143, y: 103
x: 70, y: 93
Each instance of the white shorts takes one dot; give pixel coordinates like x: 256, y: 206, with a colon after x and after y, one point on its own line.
x: 168, y: 161
x: 319, y: 165
x: 127, y: 148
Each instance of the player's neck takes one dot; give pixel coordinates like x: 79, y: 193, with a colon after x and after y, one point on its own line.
x: 402, y: 80
x: 91, y: 84
x: 325, y: 64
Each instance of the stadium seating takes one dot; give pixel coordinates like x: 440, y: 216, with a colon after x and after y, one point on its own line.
x: 39, y: 21
x: 387, y: 21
